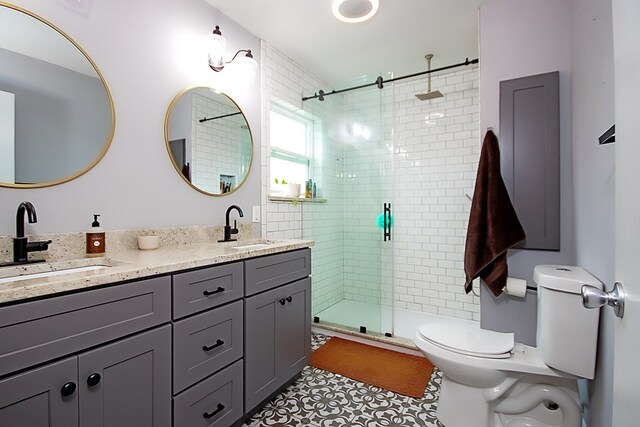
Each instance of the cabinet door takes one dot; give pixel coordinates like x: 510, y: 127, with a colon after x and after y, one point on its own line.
x: 127, y: 383
x: 260, y: 346
x: 43, y: 397
x: 277, y: 339
x: 293, y: 326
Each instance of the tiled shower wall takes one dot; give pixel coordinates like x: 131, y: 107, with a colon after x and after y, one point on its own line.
x: 286, y: 82
x: 436, y: 146
x: 430, y: 150
x: 210, y: 156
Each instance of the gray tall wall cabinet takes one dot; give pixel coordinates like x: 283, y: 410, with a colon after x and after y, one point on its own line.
x: 530, y: 155
x: 204, y: 347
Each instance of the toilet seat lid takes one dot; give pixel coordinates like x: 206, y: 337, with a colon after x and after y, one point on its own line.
x: 469, y: 340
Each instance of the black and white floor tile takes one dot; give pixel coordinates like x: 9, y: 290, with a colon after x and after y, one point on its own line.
x: 321, y: 398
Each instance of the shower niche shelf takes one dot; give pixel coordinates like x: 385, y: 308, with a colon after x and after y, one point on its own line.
x: 296, y: 199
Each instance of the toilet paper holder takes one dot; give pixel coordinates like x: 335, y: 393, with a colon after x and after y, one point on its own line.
x: 593, y: 297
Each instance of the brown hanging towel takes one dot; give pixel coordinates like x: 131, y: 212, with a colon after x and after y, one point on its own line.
x: 493, y: 223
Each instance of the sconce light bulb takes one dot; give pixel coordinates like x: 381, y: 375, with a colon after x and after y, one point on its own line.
x: 217, y: 46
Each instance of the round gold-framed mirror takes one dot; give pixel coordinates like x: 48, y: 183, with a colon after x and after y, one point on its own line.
x: 209, y: 140
x: 57, y: 117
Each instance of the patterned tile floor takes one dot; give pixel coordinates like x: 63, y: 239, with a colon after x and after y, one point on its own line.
x: 321, y: 398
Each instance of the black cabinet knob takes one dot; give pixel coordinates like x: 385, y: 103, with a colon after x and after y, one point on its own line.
x: 68, y: 389
x: 281, y: 301
x: 93, y: 379
x: 289, y: 298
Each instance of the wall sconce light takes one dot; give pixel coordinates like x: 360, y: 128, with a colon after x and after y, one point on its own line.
x: 217, y: 49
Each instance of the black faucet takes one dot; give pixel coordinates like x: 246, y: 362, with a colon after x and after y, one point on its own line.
x: 21, y: 244
x: 228, y: 231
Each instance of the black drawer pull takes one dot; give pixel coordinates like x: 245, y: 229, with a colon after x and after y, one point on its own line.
x: 217, y: 291
x: 289, y: 298
x: 281, y: 301
x: 68, y: 389
x: 211, y: 347
x: 93, y: 379
x: 208, y: 415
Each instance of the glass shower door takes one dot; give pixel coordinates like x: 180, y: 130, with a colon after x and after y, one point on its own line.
x: 353, y: 253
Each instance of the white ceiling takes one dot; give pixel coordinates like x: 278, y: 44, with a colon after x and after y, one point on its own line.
x: 395, y: 40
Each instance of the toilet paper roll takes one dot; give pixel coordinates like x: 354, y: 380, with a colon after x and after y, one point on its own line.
x: 516, y: 287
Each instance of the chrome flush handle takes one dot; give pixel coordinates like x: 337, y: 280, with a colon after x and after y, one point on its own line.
x: 593, y: 297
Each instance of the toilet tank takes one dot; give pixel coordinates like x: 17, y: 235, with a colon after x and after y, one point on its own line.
x: 567, y: 333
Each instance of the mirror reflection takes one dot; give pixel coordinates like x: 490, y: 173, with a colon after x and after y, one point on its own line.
x: 209, y: 140
x: 56, y: 113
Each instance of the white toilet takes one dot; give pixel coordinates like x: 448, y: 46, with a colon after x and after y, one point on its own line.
x: 491, y: 381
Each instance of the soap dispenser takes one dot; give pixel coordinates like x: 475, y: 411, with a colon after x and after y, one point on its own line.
x: 96, y: 244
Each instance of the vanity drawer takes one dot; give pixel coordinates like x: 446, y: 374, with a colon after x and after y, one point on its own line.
x: 219, y: 330
x: 38, y: 331
x: 216, y: 401
x: 264, y: 273
x: 203, y: 289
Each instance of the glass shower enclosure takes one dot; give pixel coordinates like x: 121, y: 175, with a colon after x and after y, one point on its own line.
x: 352, y: 226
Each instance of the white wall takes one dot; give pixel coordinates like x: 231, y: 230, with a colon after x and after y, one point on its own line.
x: 520, y: 38
x: 147, y: 50
x: 593, y: 174
x: 7, y: 136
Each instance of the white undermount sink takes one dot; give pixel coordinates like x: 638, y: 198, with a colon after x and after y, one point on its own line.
x: 70, y: 270
x: 253, y: 245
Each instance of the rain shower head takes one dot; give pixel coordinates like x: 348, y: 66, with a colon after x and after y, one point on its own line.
x: 430, y: 94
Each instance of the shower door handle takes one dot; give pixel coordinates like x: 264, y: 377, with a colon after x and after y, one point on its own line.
x: 387, y: 221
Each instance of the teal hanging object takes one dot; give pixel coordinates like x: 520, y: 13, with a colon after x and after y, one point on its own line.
x: 380, y: 221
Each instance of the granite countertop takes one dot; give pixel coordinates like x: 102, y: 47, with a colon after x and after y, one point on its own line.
x: 131, y: 264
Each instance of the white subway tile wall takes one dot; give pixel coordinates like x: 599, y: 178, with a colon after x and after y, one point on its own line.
x: 212, y: 160
x: 383, y: 146
x: 285, y: 82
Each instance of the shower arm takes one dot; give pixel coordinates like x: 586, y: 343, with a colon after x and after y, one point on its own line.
x: 379, y: 81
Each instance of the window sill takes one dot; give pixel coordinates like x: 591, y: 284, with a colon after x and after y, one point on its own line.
x: 295, y: 199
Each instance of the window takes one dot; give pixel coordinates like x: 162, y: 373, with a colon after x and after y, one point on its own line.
x: 291, y: 152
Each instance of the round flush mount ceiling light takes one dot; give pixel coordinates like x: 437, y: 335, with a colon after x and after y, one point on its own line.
x: 354, y: 11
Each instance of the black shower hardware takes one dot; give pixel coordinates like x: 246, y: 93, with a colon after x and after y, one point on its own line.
x: 380, y: 81
x: 387, y: 222
x: 21, y: 244
x: 206, y: 119
x: 228, y: 231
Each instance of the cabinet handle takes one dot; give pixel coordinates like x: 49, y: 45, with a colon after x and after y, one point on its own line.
x: 68, y: 389
x: 211, y: 347
x: 281, y: 301
x: 93, y: 379
x: 208, y: 415
x: 289, y: 298
x: 217, y: 291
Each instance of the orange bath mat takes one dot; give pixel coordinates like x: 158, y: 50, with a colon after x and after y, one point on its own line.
x: 399, y: 372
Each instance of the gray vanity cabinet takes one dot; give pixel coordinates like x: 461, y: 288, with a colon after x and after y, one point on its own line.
x: 127, y: 383
x: 119, y: 356
x: 208, y: 331
x: 277, y: 325
x: 124, y: 384
x: 36, y: 398
x: 114, y: 369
